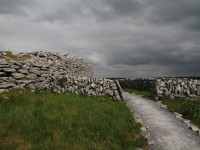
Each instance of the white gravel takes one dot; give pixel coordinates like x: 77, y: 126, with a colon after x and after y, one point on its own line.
x: 167, y: 132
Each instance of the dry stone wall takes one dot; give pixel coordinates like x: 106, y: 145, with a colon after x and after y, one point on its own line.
x: 178, y: 87
x: 87, y: 86
x: 59, y: 72
x: 173, y: 87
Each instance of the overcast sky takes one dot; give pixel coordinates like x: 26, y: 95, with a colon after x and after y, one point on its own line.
x: 119, y: 38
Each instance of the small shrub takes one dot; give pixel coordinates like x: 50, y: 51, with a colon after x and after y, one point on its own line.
x: 62, y: 81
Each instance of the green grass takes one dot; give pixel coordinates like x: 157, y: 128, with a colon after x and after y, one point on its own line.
x: 138, y: 92
x: 46, y: 121
x: 189, y: 109
x: 62, y: 81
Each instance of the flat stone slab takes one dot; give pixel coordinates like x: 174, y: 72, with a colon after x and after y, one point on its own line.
x: 3, y: 62
x: 167, y: 132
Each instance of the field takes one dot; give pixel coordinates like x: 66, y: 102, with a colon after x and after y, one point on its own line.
x: 48, y: 121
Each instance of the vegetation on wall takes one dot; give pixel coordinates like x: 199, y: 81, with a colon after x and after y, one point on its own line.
x: 15, y: 57
x: 62, y: 81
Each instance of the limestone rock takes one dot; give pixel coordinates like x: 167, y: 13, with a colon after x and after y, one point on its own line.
x: 3, y: 62
x: 5, y: 86
x: 35, y: 71
x: 93, y: 85
x: 2, y: 90
x: 31, y: 76
x: 4, y: 66
x: 17, y: 63
x: 109, y: 92
x: 14, y: 67
x: 17, y: 75
x: 23, y: 71
x: 2, y: 74
x: 9, y: 70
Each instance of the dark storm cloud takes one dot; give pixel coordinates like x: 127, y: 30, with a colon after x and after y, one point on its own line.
x: 99, y: 11
x: 118, y: 37
x: 168, y: 11
x: 128, y: 7
x: 166, y: 56
x: 15, y: 7
x: 152, y: 11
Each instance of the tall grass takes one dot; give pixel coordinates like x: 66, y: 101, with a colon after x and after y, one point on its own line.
x: 46, y: 121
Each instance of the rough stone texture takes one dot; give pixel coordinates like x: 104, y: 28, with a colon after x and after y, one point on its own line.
x: 173, y: 87
x: 178, y: 87
x: 85, y: 86
x: 3, y: 62
x: 59, y: 72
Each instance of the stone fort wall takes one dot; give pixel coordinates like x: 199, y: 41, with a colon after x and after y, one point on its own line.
x: 59, y: 72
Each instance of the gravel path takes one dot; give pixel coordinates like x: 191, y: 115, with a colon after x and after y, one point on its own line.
x: 167, y: 132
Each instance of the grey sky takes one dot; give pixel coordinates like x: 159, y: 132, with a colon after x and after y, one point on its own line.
x: 120, y: 38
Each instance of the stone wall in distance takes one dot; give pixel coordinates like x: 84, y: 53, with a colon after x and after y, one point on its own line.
x: 173, y: 87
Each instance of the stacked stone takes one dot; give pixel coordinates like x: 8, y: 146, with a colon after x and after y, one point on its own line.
x: 44, y: 70
x: 178, y: 87
x: 173, y: 87
x: 86, y: 86
x: 62, y: 64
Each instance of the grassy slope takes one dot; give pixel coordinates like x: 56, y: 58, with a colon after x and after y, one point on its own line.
x: 189, y: 109
x: 60, y: 121
x: 138, y: 92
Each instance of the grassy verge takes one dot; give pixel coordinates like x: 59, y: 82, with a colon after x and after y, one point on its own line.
x: 49, y: 121
x: 189, y: 109
x: 138, y: 92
